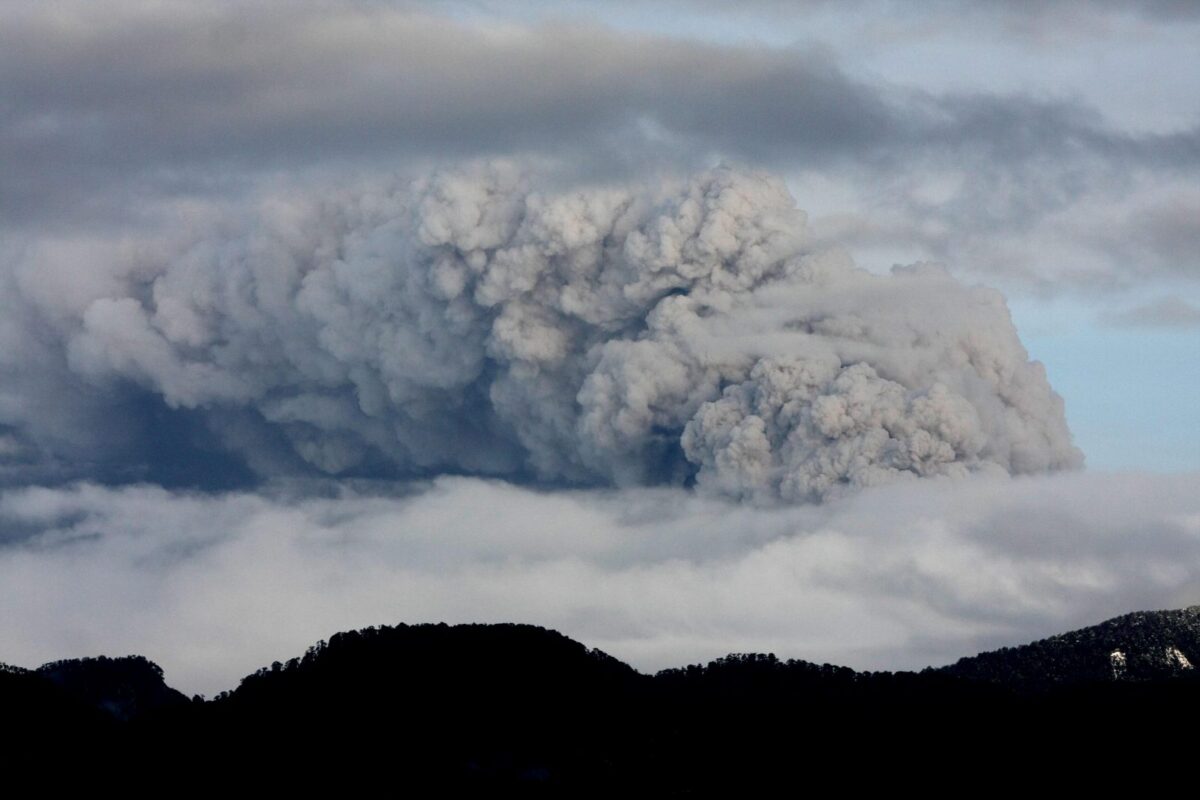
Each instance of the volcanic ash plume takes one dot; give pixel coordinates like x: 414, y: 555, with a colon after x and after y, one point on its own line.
x: 469, y: 323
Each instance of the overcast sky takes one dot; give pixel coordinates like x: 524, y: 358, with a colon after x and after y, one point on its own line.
x: 590, y: 249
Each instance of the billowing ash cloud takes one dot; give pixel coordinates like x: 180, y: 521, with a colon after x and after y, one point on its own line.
x: 470, y: 322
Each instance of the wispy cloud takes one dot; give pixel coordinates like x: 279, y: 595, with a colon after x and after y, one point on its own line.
x: 1166, y: 312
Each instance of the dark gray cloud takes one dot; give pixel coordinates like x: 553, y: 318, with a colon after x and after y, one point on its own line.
x: 1161, y: 236
x: 1045, y: 11
x: 212, y: 587
x: 1064, y: 11
x: 101, y: 106
x: 91, y: 95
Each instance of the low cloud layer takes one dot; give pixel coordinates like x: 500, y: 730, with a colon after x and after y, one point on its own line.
x: 472, y: 322
x: 213, y: 587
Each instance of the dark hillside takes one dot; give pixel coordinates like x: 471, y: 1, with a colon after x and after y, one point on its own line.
x: 494, y: 706
x: 124, y: 688
x: 1146, y: 645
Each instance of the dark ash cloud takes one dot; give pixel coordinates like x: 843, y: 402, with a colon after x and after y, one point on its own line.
x: 474, y: 322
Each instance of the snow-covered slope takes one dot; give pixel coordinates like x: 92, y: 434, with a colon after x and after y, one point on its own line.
x: 1141, y: 646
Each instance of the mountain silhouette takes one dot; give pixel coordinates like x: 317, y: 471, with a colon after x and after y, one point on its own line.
x: 493, y: 706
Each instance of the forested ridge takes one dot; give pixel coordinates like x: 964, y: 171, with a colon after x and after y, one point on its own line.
x: 519, y: 705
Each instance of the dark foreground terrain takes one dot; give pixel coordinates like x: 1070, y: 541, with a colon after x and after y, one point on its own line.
x: 523, y: 708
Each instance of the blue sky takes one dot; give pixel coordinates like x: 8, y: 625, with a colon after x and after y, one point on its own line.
x: 1131, y: 395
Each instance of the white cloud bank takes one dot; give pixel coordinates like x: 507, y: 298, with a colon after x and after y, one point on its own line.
x: 213, y: 586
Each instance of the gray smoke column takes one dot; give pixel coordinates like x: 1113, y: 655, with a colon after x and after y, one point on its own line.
x: 608, y: 336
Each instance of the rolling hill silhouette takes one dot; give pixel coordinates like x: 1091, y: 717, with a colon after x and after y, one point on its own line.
x: 490, y: 706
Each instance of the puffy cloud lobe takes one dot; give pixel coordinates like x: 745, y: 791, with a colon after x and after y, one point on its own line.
x: 608, y: 335
x: 853, y: 428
